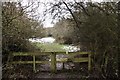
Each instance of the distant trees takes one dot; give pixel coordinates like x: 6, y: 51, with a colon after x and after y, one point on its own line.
x: 18, y: 27
x: 63, y: 31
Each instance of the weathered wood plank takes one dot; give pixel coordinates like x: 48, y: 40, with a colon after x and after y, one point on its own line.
x: 29, y: 62
x: 45, y: 53
x: 21, y: 62
x: 53, y: 62
x: 89, y: 62
x: 21, y: 54
x: 30, y: 54
x: 80, y: 59
x: 34, y: 69
x: 73, y: 59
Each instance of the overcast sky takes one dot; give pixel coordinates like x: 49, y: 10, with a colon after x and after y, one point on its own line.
x: 42, y: 7
x: 40, y: 11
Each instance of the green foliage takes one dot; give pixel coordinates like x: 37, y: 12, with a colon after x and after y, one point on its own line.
x: 64, y: 31
x: 99, y: 34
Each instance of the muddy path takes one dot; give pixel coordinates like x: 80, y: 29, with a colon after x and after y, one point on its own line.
x: 43, y: 71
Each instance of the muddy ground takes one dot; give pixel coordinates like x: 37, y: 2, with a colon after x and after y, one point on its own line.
x: 43, y: 72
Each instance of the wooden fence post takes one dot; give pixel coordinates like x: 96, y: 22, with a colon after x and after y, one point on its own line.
x: 53, y: 62
x: 34, y: 69
x: 89, y: 61
x: 10, y: 58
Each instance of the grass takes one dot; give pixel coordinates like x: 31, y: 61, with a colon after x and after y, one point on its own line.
x: 50, y: 47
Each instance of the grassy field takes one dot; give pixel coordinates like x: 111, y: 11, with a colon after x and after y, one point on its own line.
x: 50, y: 47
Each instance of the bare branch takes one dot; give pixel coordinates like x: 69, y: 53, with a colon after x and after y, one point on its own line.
x: 83, y: 8
x: 71, y: 14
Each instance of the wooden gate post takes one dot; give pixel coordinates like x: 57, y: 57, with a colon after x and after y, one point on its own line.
x: 34, y: 69
x: 53, y: 62
x: 89, y: 61
x: 10, y: 59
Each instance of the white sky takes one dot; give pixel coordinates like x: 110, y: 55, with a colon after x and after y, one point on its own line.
x: 40, y: 10
x: 42, y: 7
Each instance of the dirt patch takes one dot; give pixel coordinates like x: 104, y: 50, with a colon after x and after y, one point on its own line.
x: 43, y: 71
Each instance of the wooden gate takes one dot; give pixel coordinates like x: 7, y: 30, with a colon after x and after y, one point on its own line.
x: 53, y: 60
